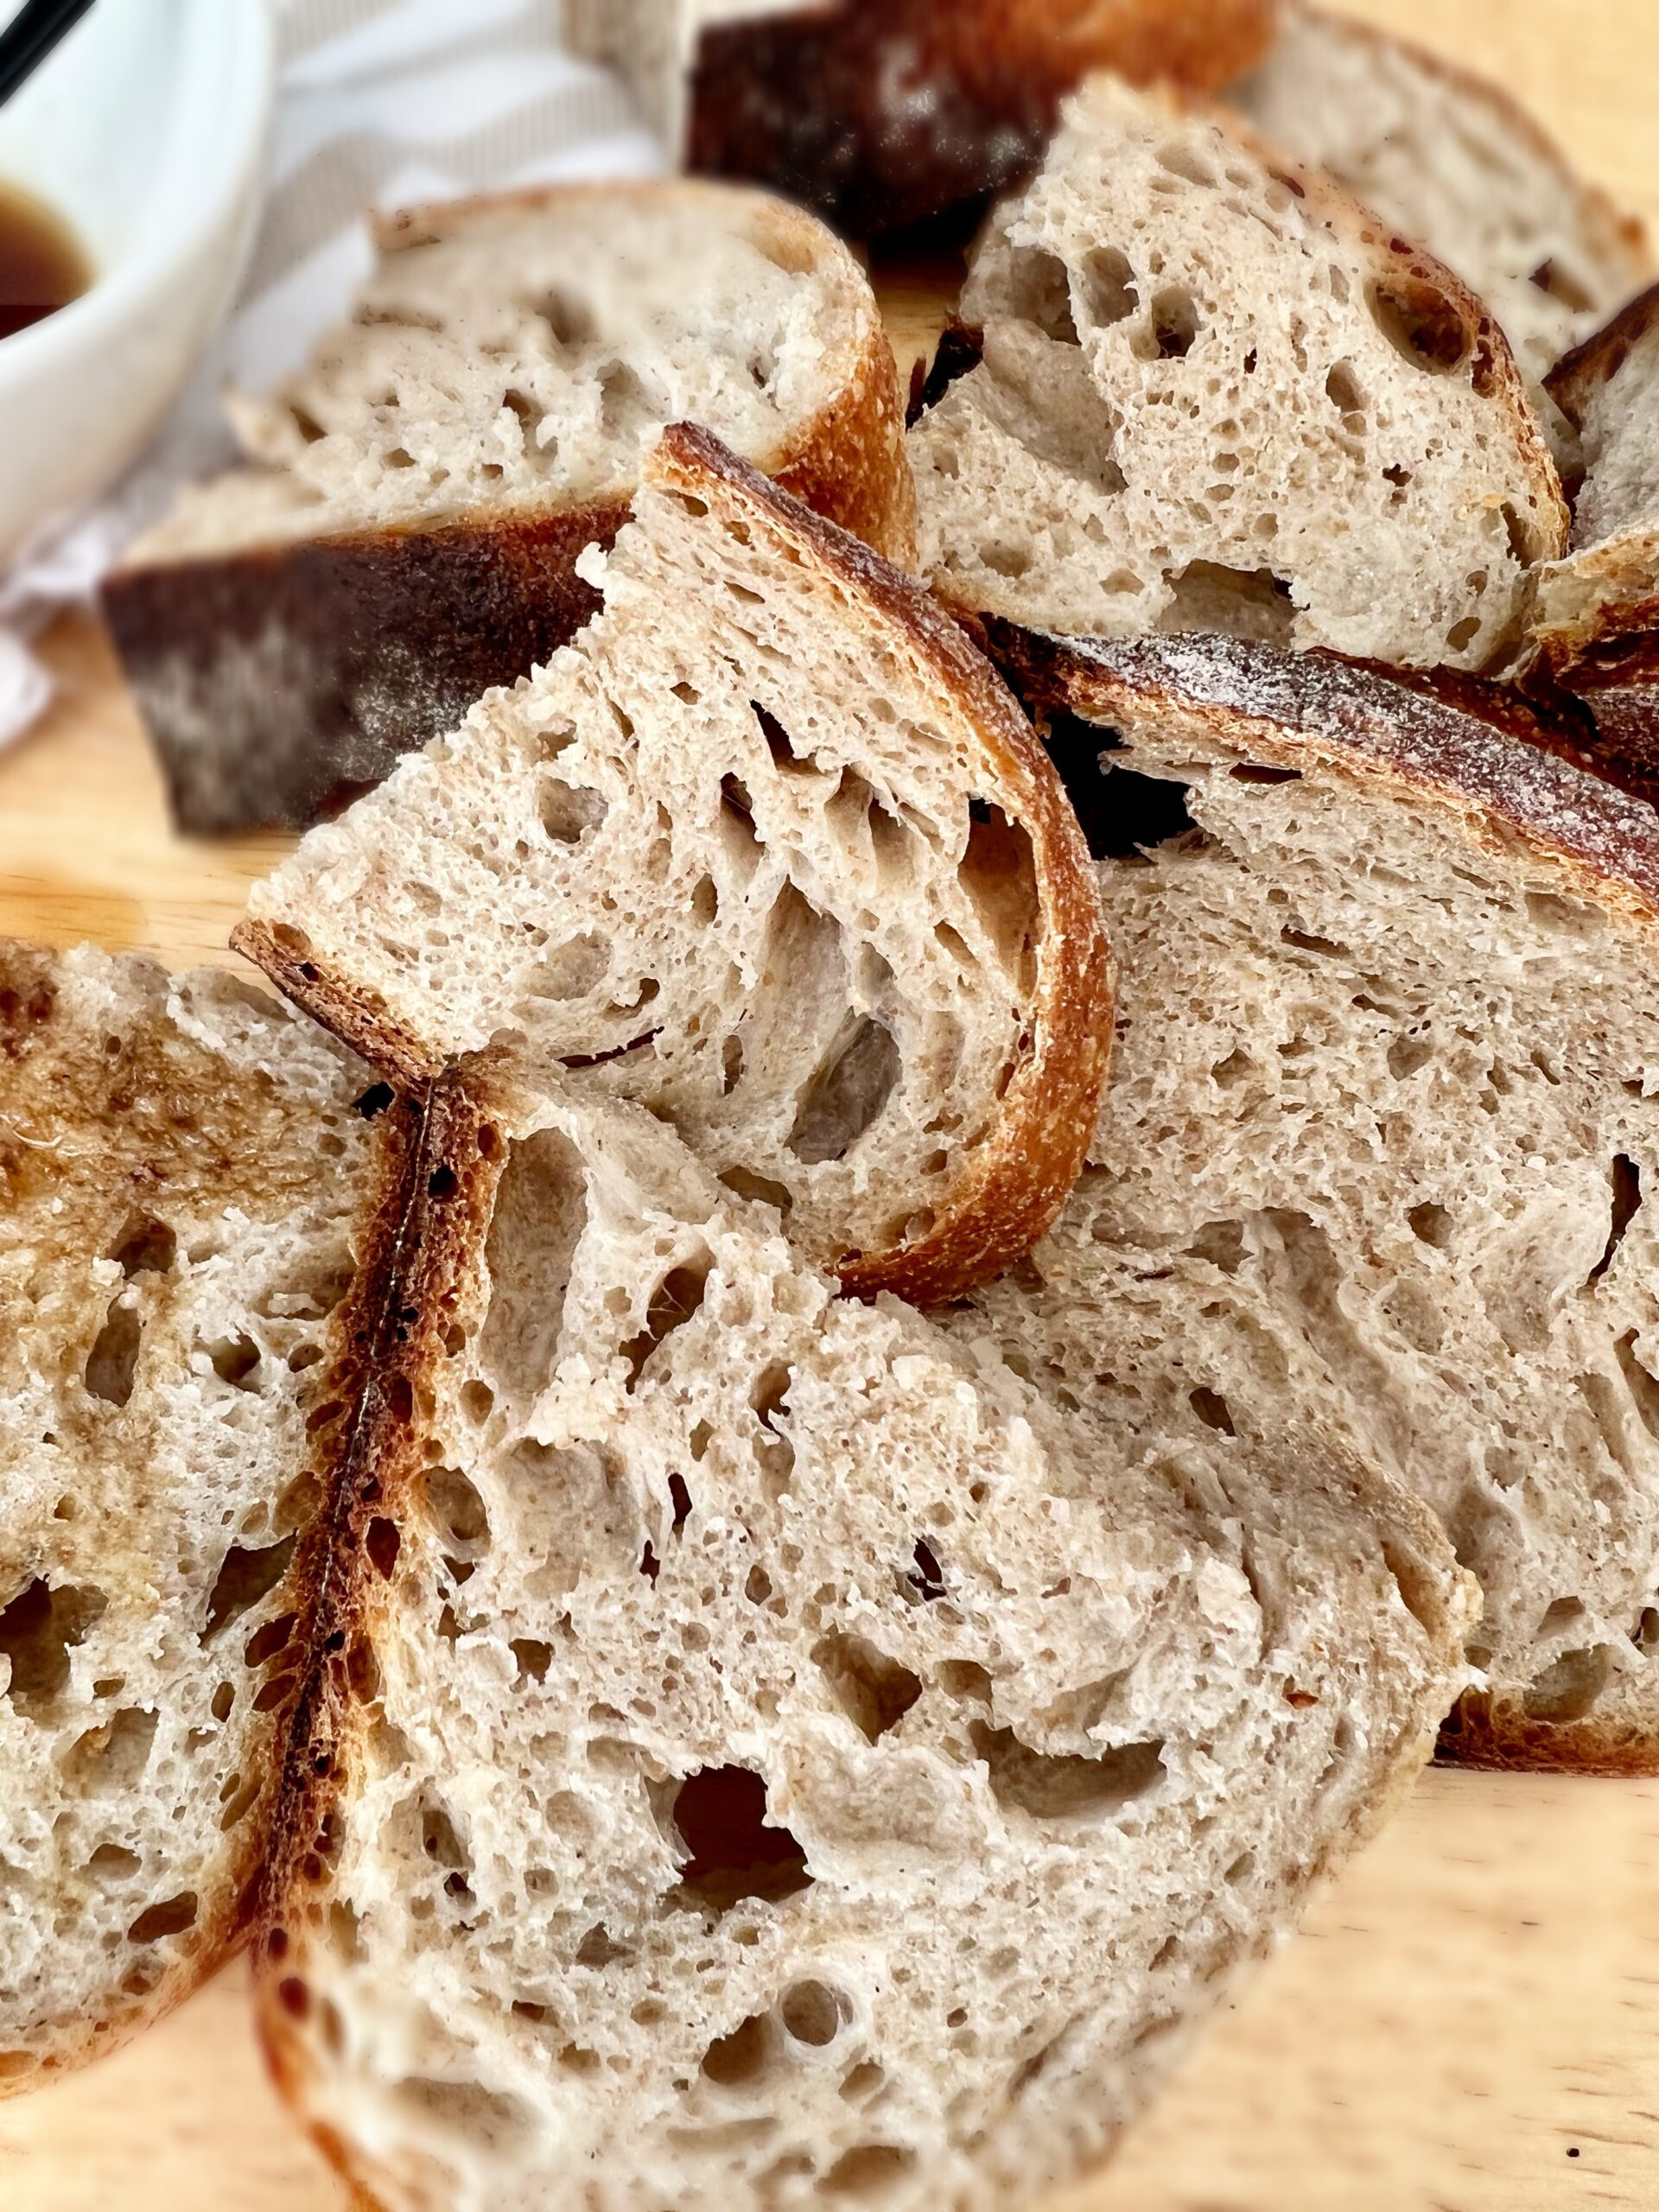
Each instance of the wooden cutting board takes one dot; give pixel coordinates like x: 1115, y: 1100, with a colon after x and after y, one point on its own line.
x: 1469, y: 2021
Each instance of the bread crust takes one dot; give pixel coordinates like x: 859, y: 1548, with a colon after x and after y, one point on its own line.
x: 1578, y: 375
x: 1023, y: 1174
x: 278, y: 680
x: 1605, y: 650
x: 1498, y: 791
x: 1499, y: 1734
x: 804, y: 102
x: 439, y: 1184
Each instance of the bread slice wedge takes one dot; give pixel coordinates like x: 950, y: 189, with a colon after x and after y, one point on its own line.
x: 1595, y: 625
x: 884, y: 114
x: 772, y: 1756
x: 185, y: 1193
x: 1453, y: 161
x: 770, y: 848
x: 1381, y: 1153
x: 405, y: 529
x: 1214, y: 393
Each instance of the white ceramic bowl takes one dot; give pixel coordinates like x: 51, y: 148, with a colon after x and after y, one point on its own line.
x: 147, y: 131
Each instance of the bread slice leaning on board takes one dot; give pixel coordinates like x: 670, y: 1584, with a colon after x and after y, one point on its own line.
x: 1135, y: 446
x: 1380, y: 1151
x: 882, y: 114
x: 404, y: 531
x: 186, y: 1194
x: 1455, y: 163
x: 761, y: 1755
x: 1595, y: 625
x: 768, y: 847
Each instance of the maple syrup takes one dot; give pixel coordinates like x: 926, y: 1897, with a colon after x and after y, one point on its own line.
x: 42, y: 266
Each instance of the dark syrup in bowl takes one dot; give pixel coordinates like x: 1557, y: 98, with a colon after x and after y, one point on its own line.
x: 42, y: 264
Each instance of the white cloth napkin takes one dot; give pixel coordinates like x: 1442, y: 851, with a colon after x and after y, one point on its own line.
x: 382, y: 103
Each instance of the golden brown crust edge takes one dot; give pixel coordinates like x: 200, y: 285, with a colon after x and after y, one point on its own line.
x: 447, y: 1156
x: 1022, y: 1178
x: 1284, y: 705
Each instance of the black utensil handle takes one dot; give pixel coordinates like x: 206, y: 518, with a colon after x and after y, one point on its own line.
x: 31, y: 35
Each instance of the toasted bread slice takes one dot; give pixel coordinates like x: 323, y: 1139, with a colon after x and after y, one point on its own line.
x: 1381, y: 1150
x: 761, y: 1755
x: 405, y: 531
x: 1214, y: 393
x: 883, y: 114
x: 1453, y: 161
x: 770, y: 848
x: 184, y: 1192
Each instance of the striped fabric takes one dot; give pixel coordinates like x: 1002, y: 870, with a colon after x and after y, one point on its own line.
x: 383, y: 102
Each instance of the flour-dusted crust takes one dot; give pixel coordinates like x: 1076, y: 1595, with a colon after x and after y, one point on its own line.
x: 1379, y: 1136
x: 638, y: 1509
x: 1138, y: 450
x: 966, y: 1114
x: 187, y: 1180
x: 286, y: 651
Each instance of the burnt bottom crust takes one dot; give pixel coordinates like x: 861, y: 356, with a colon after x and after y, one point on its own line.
x: 277, y: 684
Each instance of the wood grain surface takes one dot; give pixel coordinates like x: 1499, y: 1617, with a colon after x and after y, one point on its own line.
x: 1469, y: 2021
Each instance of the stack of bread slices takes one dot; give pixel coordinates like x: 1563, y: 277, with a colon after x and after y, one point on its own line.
x: 950, y: 1237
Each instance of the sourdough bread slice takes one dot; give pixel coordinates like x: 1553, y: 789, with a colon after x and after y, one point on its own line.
x: 770, y: 848
x: 406, y: 529
x: 771, y: 1757
x: 1595, y: 627
x: 183, y: 1189
x: 1215, y: 393
x: 1381, y: 1147
x: 882, y: 114
x: 1450, y: 160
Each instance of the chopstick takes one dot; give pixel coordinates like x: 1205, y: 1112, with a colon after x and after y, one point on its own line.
x: 31, y: 35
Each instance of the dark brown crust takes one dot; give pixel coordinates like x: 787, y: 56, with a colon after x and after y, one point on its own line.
x: 1501, y: 1734
x: 1578, y: 376
x: 1282, y: 706
x: 1022, y: 1175
x: 1608, y: 655
x: 961, y: 348
x: 884, y: 114
x: 440, y: 1186
x: 279, y: 680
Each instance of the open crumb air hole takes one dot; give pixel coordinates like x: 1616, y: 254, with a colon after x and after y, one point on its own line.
x: 720, y: 1815
x: 38, y: 1629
